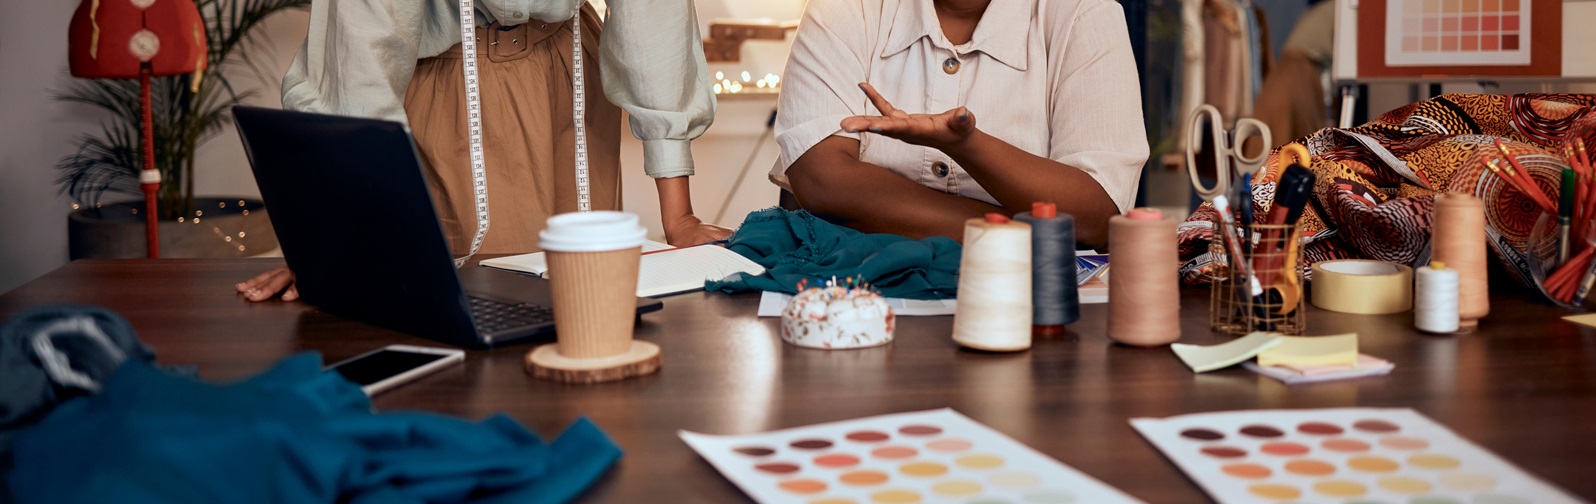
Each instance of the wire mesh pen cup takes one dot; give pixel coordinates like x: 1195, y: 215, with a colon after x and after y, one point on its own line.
x: 1272, y: 256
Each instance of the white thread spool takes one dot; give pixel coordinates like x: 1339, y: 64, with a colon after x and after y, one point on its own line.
x: 1435, y: 303
x: 994, y: 309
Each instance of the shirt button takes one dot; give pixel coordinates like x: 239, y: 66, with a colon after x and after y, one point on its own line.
x: 950, y: 66
x: 940, y: 168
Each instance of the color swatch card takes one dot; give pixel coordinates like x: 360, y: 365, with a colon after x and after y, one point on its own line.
x: 1338, y: 455
x: 1457, y: 32
x: 928, y: 456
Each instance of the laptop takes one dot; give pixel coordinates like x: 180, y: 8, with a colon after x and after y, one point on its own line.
x: 350, y: 205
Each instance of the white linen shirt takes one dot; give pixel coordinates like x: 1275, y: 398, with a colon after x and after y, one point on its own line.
x: 359, y: 55
x: 1054, y: 78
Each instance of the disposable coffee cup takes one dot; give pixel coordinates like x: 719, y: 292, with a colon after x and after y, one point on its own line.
x: 593, y: 262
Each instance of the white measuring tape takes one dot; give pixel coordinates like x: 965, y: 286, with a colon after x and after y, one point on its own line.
x: 479, y: 176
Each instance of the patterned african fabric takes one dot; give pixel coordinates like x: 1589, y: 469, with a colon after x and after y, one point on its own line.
x: 1376, y: 183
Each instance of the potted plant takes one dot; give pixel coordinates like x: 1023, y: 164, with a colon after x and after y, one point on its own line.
x: 185, y: 117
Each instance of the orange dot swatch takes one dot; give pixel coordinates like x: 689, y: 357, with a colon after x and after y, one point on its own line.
x: 1308, y: 467
x: 949, y: 445
x: 894, y: 452
x: 1251, y: 471
x: 1367, y: 463
x: 1404, y: 443
x: 1434, y: 461
x: 980, y: 461
x: 803, y: 486
x: 898, y: 496
x: 1345, y: 445
x: 923, y: 469
x: 1340, y: 488
x: 837, y: 460
x: 1284, y: 449
x: 864, y: 478
x: 1405, y: 485
x: 1275, y: 492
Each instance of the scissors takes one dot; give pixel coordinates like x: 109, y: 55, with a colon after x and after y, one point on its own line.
x: 1207, y: 135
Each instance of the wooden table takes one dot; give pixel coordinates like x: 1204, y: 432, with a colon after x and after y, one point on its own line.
x: 1524, y: 386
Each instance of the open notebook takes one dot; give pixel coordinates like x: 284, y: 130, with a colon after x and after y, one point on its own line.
x: 663, y: 270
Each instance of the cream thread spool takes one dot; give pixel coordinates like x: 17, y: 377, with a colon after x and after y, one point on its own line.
x: 1435, y: 299
x: 994, y: 305
x: 1459, y: 241
x: 1143, y: 281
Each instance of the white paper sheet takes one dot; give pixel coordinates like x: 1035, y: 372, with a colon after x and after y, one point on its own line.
x: 1338, y: 455
x: 771, y: 304
x: 928, y: 456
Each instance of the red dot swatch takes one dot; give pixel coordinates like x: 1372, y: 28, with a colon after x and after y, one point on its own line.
x: 778, y: 468
x: 867, y: 436
x: 1319, y: 428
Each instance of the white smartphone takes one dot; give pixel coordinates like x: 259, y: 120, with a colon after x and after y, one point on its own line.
x: 393, y: 365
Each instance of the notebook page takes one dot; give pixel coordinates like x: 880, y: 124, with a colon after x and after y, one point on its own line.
x: 536, y: 264
x: 686, y: 269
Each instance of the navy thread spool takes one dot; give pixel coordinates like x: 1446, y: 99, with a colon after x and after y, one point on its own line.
x: 1055, y: 301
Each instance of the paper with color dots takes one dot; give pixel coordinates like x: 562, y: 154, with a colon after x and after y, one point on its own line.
x: 1338, y: 455
x: 929, y: 456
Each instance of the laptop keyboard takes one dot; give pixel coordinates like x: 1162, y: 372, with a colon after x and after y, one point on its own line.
x: 494, y: 316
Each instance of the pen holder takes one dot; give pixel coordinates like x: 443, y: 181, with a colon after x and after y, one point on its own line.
x: 1272, y: 254
x: 1559, y: 281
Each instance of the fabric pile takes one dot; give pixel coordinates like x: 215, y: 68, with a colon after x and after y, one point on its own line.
x: 1374, y: 197
x: 797, y: 246
x: 292, y: 434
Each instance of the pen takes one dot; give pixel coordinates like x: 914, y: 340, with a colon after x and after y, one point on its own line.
x: 1565, y: 214
x: 1237, y: 260
x: 1244, y: 200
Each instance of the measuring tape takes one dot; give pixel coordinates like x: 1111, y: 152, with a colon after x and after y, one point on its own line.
x: 479, y: 176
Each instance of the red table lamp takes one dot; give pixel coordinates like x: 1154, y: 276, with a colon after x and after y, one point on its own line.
x: 126, y: 39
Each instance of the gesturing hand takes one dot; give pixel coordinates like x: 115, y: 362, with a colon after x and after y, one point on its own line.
x: 937, y: 131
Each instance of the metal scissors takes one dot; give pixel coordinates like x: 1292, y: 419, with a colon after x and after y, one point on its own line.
x: 1206, y: 134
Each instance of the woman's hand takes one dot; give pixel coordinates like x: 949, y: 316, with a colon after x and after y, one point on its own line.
x: 687, y: 230
x: 938, y: 131
x: 268, y: 284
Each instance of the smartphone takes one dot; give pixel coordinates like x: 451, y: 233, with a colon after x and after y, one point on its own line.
x: 393, y: 365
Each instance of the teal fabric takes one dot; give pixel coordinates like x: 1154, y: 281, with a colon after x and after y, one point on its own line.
x: 293, y: 434
x: 797, y: 246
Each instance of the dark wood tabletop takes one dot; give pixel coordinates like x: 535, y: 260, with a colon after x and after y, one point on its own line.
x: 1523, y: 386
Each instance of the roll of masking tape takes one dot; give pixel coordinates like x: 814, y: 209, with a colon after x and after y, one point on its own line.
x: 1362, y: 286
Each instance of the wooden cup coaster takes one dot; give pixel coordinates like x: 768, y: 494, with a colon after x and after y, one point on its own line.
x: 546, y: 362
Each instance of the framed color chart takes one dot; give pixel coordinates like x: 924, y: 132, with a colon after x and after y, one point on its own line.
x: 1481, y: 38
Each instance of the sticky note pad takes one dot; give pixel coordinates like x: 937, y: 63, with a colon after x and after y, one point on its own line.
x: 1586, y: 319
x: 1339, y: 350
x: 1202, y: 359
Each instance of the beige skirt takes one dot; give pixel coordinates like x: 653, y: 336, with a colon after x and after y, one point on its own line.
x: 528, y: 134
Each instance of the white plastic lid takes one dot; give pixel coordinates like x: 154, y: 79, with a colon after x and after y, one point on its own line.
x: 592, y: 232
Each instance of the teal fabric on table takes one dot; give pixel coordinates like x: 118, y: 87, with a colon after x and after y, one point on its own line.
x: 797, y: 246
x: 292, y: 434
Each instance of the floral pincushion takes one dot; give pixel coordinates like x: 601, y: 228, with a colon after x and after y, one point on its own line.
x: 835, y: 317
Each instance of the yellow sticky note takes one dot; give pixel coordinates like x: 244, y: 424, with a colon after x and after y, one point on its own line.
x: 1208, y: 358
x: 1586, y: 319
x: 1340, y: 350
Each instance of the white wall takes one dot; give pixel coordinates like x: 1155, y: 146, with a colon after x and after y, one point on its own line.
x: 36, y: 131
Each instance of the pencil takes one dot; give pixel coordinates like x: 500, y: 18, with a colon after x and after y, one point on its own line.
x: 1506, y: 175
x: 1524, y: 176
